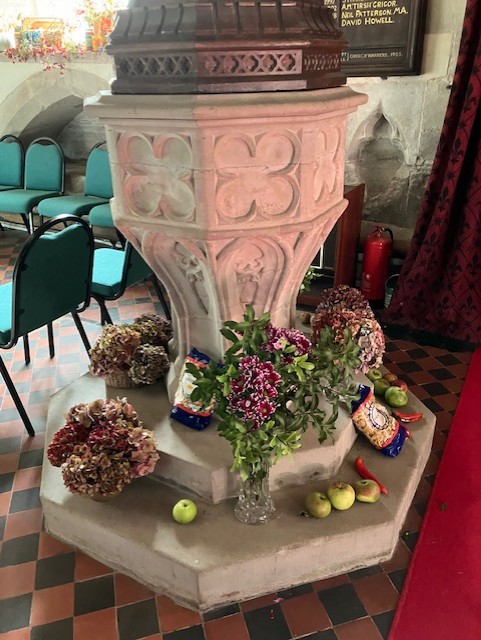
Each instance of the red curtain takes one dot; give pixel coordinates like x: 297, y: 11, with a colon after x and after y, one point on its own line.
x: 439, y: 289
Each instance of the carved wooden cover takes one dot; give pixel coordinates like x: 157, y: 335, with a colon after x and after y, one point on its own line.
x: 214, y: 46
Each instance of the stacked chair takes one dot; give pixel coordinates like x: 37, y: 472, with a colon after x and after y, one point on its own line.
x: 114, y: 270
x: 97, y: 191
x: 43, y: 178
x: 52, y: 277
x: 12, y: 158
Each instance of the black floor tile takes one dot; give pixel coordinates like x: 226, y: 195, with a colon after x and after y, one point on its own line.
x: 417, y: 353
x: 448, y: 360
x: 194, y: 633
x: 221, y: 612
x: 363, y: 573
x: 26, y: 499
x: 6, y: 482
x: 54, y: 571
x: 60, y: 630
x: 421, y: 507
x: 31, y: 459
x: 93, y: 595
x: 267, y: 623
x: 432, y: 405
x: 383, y: 622
x: 19, y: 550
x: 397, y: 578
x: 140, y: 619
x: 328, y: 634
x: 435, y: 389
x: 15, y: 612
x: 3, y: 520
x: 295, y: 591
x: 342, y: 604
x: 9, y: 445
x: 442, y: 374
x: 409, y: 367
x: 410, y: 539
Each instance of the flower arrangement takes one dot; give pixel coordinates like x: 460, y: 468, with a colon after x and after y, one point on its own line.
x: 100, y: 12
x: 102, y: 448
x: 137, y: 350
x: 270, y: 387
x: 344, y: 309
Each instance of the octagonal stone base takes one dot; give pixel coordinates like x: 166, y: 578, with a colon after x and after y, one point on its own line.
x: 212, y: 561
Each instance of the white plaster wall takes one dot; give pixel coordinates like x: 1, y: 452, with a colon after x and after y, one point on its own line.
x: 415, y: 107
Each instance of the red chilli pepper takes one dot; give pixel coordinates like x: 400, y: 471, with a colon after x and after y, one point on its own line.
x: 364, y: 473
x: 407, y: 417
x: 406, y: 431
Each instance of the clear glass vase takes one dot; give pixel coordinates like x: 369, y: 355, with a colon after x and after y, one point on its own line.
x: 255, y: 505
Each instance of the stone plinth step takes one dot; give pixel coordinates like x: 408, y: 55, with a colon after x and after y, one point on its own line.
x: 216, y: 559
x: 199, y: 461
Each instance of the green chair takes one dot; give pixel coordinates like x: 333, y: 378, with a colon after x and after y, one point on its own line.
x: 116, y: 269
x: 97, y: 192
x: 12, y: 158
x: 51, y: 278
x: 101, y: 216
x: 44, y: 178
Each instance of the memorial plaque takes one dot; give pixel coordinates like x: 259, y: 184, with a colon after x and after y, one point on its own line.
x: 385, y: 36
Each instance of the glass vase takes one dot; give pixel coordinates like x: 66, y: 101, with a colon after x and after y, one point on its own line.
x: 255, y: 505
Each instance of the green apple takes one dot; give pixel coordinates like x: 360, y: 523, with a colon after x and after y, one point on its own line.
x: 184, y: 511
x: 374, y: 374
x: 396, y: 397
x: 381, y: 386
x: 317, y: 504
x: 341, y: 495
x: 367, y: 491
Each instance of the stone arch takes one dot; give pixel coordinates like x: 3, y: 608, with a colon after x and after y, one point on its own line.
x: 45, y: 103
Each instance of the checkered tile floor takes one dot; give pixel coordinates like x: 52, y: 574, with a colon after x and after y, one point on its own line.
x: 49, y: 591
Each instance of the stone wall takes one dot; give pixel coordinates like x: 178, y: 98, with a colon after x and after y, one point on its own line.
x: 392, y: 139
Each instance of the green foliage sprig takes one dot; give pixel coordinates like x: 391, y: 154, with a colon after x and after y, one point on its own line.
x: 270, y: 388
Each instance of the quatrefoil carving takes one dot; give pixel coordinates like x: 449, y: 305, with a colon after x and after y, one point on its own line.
x: 257, y: 176
x: 157, y: 176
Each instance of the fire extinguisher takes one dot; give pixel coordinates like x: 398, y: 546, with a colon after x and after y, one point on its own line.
x: 375, y: 263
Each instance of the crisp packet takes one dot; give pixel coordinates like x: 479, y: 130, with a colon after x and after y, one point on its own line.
x: 376, y: 423
x: 196, y: 415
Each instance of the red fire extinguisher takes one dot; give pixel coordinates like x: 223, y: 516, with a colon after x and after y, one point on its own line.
x: 375, y: 263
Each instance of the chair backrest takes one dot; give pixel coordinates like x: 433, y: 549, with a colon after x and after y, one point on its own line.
x: 52, y: 274
x: 44, y: 165
x: 12, y: 158
x: 98, y: 178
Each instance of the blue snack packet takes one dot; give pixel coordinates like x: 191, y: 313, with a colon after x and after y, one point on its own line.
x: 376, y: 423
x: 196, y: 415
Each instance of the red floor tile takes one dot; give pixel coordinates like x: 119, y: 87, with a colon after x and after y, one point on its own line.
x: 32, y: 444
x: 100, y: 624
x: 400, y: 559
x: 376, y: 593
x: 363, y: 629
x: 328, y: 583
x: 23, y: 523
x: 8, y: 461
x: 86, y: 567
x: 19, y: 634
x: 27, y: 478
x: 173, y: 617
x: 128, y: 590
x: 52, y: 604
x: 4, y: 503
x: 305, y: 614
x: 228, y: 628
x: 17, y: 580
x: 49, y: 546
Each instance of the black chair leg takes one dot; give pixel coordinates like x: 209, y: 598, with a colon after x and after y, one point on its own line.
x: 16, y: 398
x: 161, y: 297
x: 81, y: 331
x: 26, y: 348
x: 51, y: 344
x: 104, y: 314
x: 26, y: 222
